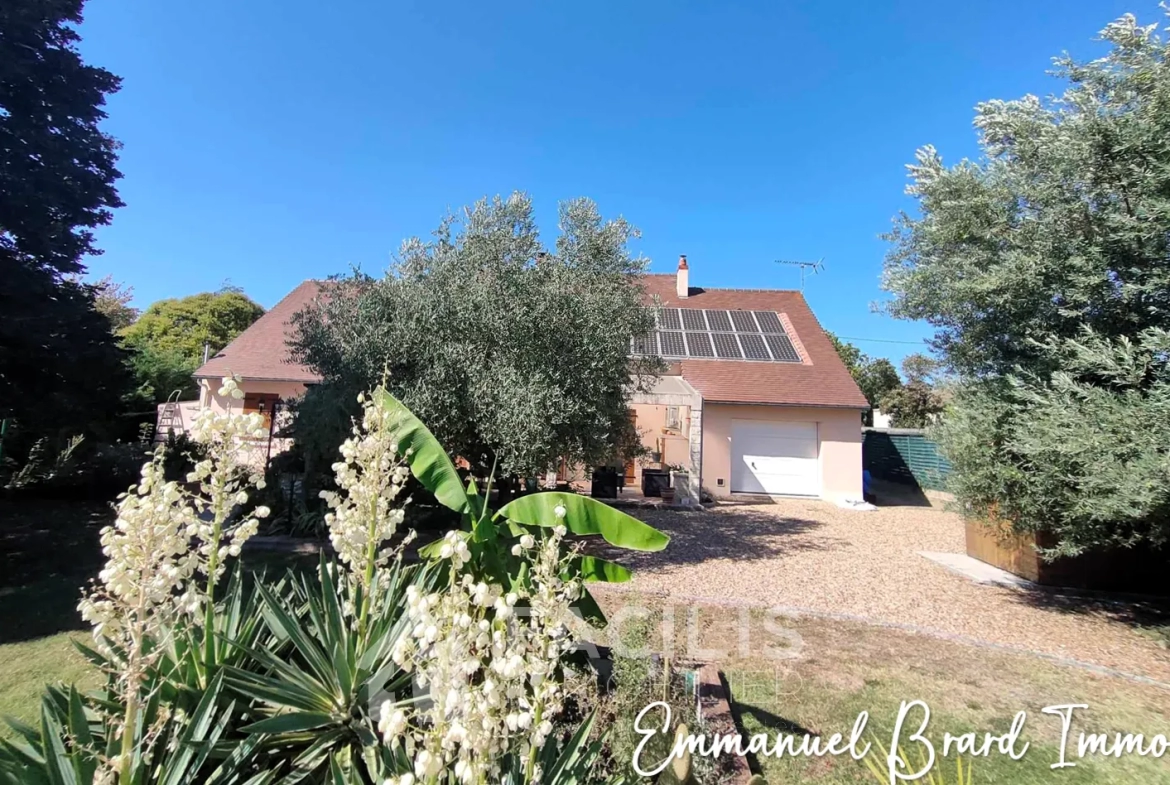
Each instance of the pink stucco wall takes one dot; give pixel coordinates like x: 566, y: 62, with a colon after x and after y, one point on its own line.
x: 839, y: 431
x: 656, y: 436
x: 208, y: 396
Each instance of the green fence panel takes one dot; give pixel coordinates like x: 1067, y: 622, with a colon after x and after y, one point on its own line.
x: 904, y: 455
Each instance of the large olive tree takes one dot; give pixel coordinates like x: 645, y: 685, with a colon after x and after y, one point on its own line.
x: 1045, y: 267
x: 514, y: 353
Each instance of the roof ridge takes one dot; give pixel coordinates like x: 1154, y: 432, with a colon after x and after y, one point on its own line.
x: 731, y: 288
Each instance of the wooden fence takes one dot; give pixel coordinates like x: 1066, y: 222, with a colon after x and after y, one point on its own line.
x: 904, y: 455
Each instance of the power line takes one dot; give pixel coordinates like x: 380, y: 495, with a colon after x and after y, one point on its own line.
x: 881, y: 340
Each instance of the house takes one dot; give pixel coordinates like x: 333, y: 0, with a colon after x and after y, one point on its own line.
x: 260, y: 357
x: 755, y: 399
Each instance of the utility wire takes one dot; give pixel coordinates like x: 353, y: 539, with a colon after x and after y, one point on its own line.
x: 881, y: 340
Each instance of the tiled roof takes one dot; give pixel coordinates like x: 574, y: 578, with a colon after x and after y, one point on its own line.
x: 260, y: 352
x: 821, y: 380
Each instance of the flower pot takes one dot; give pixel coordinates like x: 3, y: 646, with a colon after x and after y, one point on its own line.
x: 654, y: 481
x: 605, y: 484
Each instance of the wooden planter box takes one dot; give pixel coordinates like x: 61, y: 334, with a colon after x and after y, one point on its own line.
x: 1133, y: 570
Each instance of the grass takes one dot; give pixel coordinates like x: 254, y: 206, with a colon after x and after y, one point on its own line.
x: 26, y: 667
x: 48, y: 550
x: 853, y: 669
x: 48, y: 553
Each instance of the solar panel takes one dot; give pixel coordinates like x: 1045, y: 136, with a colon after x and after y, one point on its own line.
x: 645, y: 344
x: 782, y: 349
x: 769, y: 322
x: 672, y: 343
x: 668, y: 319
x: 723, y: 334
x: 726, y: 346
x: 744, y: 322
x: 700, y: 345
x: 693, y: 319
x: 720, y: 321
x: 754, y: 347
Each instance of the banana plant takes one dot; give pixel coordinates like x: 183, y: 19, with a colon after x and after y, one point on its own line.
x: 490, y: 534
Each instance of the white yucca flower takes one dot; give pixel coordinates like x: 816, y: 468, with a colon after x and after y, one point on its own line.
x: 144, y: 584
x: 365, y: 514
x: 166, y: 536
x: 490, y: 661
x: 164, y: 554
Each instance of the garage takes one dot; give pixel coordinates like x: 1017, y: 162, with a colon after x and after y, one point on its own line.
x: 775, y: 458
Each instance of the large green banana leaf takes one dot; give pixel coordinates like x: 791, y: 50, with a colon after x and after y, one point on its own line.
x: 594, y: 569
x: 428, y: 460
x: 584, y: 515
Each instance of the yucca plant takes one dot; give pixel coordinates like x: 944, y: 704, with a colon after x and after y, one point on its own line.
x: 169, y: 747
x: 569, y: 762
x: 266, y: 683
x: 320, y: 678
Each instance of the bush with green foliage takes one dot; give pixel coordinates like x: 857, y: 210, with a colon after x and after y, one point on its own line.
x: 517, y: 355
x: 1043, y: 268
x: 876, y: 377
x: 167, y: 341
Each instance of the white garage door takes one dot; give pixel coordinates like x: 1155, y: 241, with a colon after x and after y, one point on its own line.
x: 774, y: 457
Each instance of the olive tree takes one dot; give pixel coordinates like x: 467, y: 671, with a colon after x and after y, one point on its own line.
x: 516, y: 354
x: 1044, y: 268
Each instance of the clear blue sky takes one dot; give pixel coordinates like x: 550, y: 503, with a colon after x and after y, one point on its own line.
x: 268, y: 142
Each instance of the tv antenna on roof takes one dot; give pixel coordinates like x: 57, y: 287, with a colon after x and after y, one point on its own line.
x: 816, y: 267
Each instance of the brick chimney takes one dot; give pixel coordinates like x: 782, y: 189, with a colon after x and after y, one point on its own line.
x: 683, y: 285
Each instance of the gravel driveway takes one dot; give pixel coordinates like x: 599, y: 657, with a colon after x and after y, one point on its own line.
x: 810, y: 555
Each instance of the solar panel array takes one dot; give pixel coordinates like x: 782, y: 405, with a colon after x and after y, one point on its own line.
x: 684, y: 333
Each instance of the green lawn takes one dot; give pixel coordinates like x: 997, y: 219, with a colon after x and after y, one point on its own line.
x: 25, y: 668
x: 48, y: 550
x: 48, y: 553
x: 851, y: 669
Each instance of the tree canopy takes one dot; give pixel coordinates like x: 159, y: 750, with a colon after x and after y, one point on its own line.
x: 167, y: 341
x: 58, y: 167
x: 112, y: 300
x: 1043, y: 267
x: 876, y: 377
x: 916, y: 403
x: 60, y: 367
x: 513, y: 353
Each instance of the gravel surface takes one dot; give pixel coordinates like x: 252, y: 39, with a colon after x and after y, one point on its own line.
x: 812, y: 555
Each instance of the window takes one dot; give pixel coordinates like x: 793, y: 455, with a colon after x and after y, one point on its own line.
x: 263, y: 403
x: 672, y: 418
